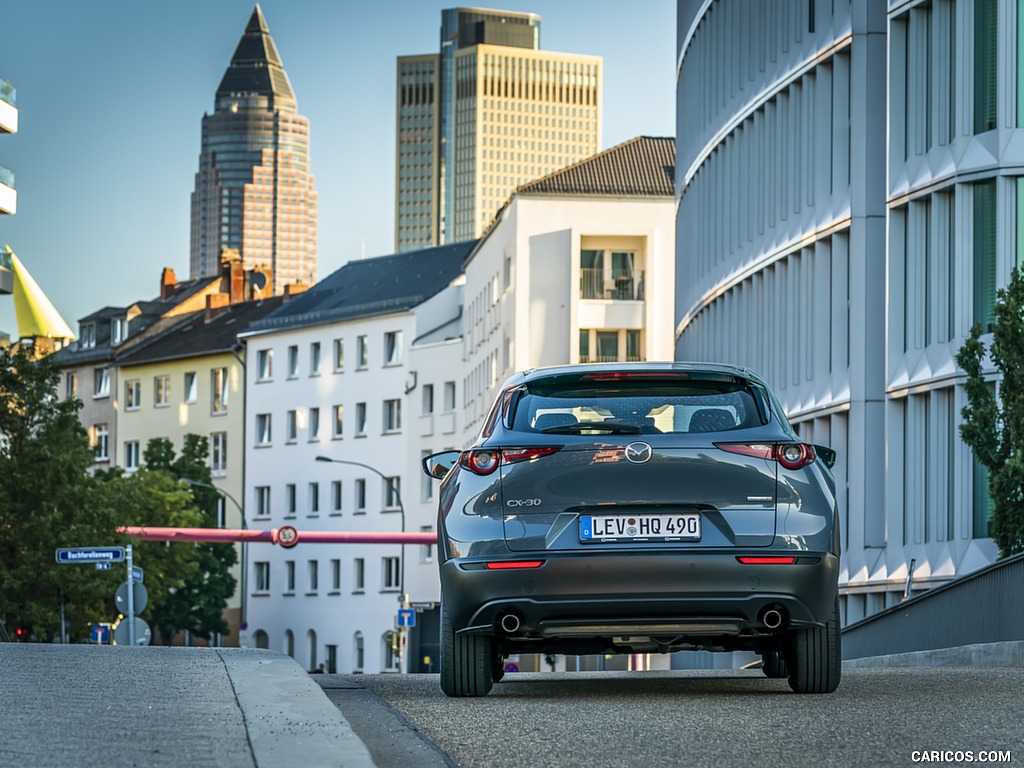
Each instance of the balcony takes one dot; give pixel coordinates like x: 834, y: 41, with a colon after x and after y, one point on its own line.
x: 8, y: 108
x: 6, y: 272
x: 595, y: 283
x: 8, y: 195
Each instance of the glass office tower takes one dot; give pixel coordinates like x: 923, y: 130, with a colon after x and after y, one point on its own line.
x: 254, y: 192
x: 487, y: 113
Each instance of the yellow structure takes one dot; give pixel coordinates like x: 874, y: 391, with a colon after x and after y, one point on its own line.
x: 37, y: 317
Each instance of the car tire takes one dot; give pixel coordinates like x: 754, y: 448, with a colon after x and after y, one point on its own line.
x: 498, y: 668
x: 774, y: 665
x: 815, y: 659
x: 466, y: 661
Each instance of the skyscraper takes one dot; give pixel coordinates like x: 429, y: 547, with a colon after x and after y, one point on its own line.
x: 254, y: 192
x: 487, y: 113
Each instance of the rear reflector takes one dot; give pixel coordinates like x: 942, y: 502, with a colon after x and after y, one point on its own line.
x: 510, y: 564
x: 767, y: 560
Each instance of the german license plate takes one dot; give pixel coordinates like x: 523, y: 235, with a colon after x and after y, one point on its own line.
x: 640, y: 527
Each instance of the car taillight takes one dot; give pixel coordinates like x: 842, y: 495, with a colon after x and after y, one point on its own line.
x: 789, y: 455
x: 508, y: 565
x: 767, y: 560
x: 483, y: 461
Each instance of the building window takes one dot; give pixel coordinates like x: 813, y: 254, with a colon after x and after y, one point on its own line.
x: 262, y: 501
x: 360, y: 419
x: 291, y: 426
x: 388, y: 652
x: 392, y: 493
x: 390, y: 569
x: 289, y: 577
x: 101, y: 442
x: 314, y: 498
x: 393, y: 348
x: 392, y: 415
x: 101, y: 382
x: 985, y: 254
x: 332, y: 659
x: 427, y: 550
x: 633, y: 346
x: 314, y: 576
x: 358, y: 574
x: 449, y: 396
x: 362, y: 353
x: 339, y: 355
x: 71, y: 384
x: 261, y: 576
x: 584, y: 345
x: 335, y: 575
x: 360, y: 496
x: 358, y: 652
x: 336, y: 496
x: 986, y: 47
x: 293, y: 361
x: 314, y: 423
x: 191, y: 387
x: 314, y: 358
x: 607, y: 346
x: 118, y: 330
x: 290, y: 496
x: 264, y: 364
x: 219, y: 453
x: 87, y: 335
x: 131, y: 455
x: 161, y: 391
x: 338, y: 421
x: 263, y: 429
x: 428, y: 399
x: 133, y: 395
x: 219, y: 391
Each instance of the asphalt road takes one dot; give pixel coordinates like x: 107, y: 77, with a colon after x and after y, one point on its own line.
x: 878, y: 717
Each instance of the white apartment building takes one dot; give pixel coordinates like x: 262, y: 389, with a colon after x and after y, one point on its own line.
x: 578, y: 266
x: 842, y: 244
x: 357, y: 370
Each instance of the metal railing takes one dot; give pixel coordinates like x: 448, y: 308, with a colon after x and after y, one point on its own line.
x: 621, y: 285
x: 981, y: 607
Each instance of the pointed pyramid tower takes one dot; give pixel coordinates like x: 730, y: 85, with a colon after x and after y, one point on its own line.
x: 36, y: 315
x: 256, y: 68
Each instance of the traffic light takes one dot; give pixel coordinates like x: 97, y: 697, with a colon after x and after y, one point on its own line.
x: 20, y: 634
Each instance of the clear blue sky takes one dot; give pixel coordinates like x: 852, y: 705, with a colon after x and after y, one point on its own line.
x: 111, y: 94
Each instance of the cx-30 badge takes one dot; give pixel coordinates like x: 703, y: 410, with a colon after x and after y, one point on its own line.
x: 638, y: 453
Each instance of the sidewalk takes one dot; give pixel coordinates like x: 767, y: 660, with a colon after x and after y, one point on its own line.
x: 107, y: 706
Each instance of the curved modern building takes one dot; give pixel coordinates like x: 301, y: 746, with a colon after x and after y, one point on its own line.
x: 254, y: 190
x: 846, y: 206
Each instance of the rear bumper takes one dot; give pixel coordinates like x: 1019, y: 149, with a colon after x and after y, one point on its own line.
x: 588, y: 594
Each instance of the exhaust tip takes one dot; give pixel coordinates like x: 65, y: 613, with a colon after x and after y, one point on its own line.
x: 772, y: 618
x: 510, y: 623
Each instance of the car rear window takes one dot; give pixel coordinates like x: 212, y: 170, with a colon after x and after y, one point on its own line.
x: 646, y: 404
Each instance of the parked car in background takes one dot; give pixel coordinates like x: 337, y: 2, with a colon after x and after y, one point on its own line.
x: 637, y: 508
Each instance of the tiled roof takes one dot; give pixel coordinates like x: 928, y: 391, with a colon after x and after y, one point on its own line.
x: 194, y: 336
x: 644, y: 166
x: 370, y: 287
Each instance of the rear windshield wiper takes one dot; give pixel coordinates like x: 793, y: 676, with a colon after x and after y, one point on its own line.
x: 591, y: 426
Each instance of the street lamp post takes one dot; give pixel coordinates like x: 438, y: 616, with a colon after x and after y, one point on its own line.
x: 401, y: 508
x: 242, y: 626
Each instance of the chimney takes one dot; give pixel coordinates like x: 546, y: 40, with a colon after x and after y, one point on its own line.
x: 233, y: 275
x: 294, y: 289
x: 215, y: 301
x: 168, y: 283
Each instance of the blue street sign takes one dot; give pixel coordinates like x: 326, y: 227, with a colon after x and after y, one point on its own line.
x: 100, y: 634
x: 137, y: 574
x: 90, y: 555
x: 406, y: 617
x: 102, y: 566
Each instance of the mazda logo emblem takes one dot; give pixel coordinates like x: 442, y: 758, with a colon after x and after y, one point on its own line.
x: 638, y: 453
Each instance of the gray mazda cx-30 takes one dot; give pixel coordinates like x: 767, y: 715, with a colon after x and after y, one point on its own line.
x: 637, y: 508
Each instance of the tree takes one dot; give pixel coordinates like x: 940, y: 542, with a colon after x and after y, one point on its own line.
x: 47, y: 501
x: 197, y: 603
x: 993, y: 426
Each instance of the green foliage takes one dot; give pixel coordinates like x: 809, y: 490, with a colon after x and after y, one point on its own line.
x: 49, y: 499
x: 197, y: 602
x: 994, y: 427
